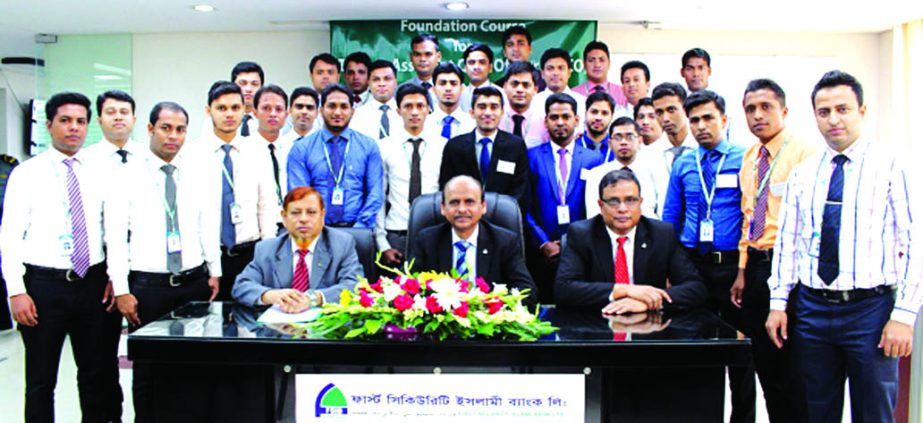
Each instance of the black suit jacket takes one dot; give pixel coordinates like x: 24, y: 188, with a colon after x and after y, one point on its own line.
x: 499, y: 255
x: 587, y: 271
x: 460, y: 158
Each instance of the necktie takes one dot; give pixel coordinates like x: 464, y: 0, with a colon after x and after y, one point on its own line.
x: 80, y: 256
x: 228, y: 234
x: 599, y: 88
x: 335, y: 212
x: 385, y: 128
x: 174, y: 259
x: 447, y: 127
x: 677, y: 153
x: 828, y: 267
x: 244, y: 127
x: 357, y: 99
x: 621, y: 263
x: 300, y: 278
x: 562, y: 168
x: 517, y: 125
x: 275, y: 169
x: 708, y: 174
x: 124, y: 154
x: 416, y: 178
x: 426, y: 85
x: 485, y: 159
x: 758, y: 225
x: 460, y: 264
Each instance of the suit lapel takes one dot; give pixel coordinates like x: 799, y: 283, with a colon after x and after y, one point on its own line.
x: 468, y: 145
x: 602, y: 242
x: 444, y: 249
x: 642, y: 252
x: 321, y: 261
x: 548, y: 164
x: 574, y: 171
x: 283, y: 265
x: 483, y: 252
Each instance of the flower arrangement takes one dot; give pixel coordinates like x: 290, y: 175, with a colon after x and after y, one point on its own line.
x: 431, y: 304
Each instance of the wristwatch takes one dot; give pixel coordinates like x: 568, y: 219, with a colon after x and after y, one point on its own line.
x: 314, y: 296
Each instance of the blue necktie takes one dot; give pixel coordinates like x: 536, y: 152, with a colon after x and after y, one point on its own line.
x: 485, y: 160
x: 228, y: 234
x: 447, y: 127
x: 708, y: 174
x: 828, y: 267
x: 335, y: 212
x: 460, y: 265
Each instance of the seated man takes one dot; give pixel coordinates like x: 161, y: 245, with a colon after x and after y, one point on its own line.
x: 636, y: 253
x: 277, y: 276
x: 472, y: 247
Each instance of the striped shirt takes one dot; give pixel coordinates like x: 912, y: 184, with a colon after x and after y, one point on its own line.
x: 875, y: 235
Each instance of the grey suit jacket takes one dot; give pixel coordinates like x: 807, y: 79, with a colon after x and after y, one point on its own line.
x: 335, y: 268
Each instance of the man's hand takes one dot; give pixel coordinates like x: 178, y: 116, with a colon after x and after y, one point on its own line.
x: 214, y: 283
x: 777, y: 323
x: 896, y: 339
x: 392, y: 257
x: 624, y: 306
x: 639, y: 323
x: 289, y: 300
x: 551, y: 250
x: 650, y: 296
x: 109, y: 297
x: 23, y: 310
x: 737, y: 290
x: 128, y: 306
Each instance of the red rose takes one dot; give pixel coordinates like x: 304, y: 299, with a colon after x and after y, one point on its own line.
x: 433, y: 306
x: 376, y: 287
x: 482, y: 284
x: 364, y: 299
x: 494, y: 305
x: 403, y: 302
x: 462, y: 310
x: 411, y: 286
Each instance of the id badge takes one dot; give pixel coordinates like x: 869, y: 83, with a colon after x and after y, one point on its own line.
x: 563, y: 215
x: 707, y: 231
x: 814, y: 248
x: 173, y: 242
x: 67, y: 245
x: 236, y: 214
x: 337, y: 198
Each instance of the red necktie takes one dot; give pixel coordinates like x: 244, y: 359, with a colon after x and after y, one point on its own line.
x: 619, y: 336
x: 300, y: 279
x: 621, y: 262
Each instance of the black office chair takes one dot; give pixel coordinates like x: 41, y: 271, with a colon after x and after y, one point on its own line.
x: 365, y: 248
x: 502, y: 210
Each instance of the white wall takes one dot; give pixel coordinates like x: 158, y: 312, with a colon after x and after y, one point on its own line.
x: 15, y: 84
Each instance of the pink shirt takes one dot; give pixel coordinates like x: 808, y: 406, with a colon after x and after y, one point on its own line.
x: 614, y: 90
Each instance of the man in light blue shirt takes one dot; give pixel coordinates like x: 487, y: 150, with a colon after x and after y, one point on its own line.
x: 340, y: 163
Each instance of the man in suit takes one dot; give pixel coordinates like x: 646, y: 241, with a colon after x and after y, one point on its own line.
x: 472, y: 247
x: 497, y: 159
x: 646, y: 254
x: 556, y: 172
x: 279, y: 273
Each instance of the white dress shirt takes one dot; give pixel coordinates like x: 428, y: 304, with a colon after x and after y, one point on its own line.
x: 208, y: 126
x: 538, y: 103
x: 468, y: 93
x: 876, y: 243
x: 660, y: 157
x: 106, y: 153
x: 643, y: 169
x: 462, y: 124
x: 471, y: 254
x: 137, y: 205
x: 283, y: 145
x: 367, y: 118
x: 396, y: 156
x: 36, y: 215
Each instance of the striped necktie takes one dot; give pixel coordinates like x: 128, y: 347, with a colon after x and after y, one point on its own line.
x: 80, y: 256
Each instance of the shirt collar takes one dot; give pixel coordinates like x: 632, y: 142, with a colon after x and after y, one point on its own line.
x: 473, y: 239
x: 327, y: 135
x: 569, y: 148
x: 722, y: 148
x: 614, y: 237
x: 852, y: 153
x: 478, y: 135
x: 311, y: 246
x: 775, y: 144
x: 129, y: 146
x: 392, y: 104
x: 59, y: 157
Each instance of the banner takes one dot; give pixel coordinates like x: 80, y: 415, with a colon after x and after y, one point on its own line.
x: 390, y: 40
x: 411, y: 398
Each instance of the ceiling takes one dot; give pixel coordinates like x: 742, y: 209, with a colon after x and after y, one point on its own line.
x: 21, y: 20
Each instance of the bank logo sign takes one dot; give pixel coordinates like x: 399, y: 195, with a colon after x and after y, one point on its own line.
x: 330, y: 400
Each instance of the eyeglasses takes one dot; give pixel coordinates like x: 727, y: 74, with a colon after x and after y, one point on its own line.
x: 630, y: 202
x: 622, y: 137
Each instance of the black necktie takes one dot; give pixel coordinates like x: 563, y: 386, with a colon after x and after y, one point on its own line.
x: 517, y: 125
x: 416, y: 178
x: 124, y: 154
x: 275, y: 169
x: 244, y: 128
x: 828, y: 267
x: 174, y: 259
x: 426, y: 85
x: 599, y: 88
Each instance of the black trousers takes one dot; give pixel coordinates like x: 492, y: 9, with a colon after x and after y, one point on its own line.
x: 718, y: 279
x: 154, y: 301
x: 6, y: 320
x: 68, y: 309
x: 233, y: 261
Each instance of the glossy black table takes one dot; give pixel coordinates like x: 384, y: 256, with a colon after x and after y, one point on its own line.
x: 214, y: 362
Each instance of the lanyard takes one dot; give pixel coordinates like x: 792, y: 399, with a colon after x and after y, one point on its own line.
x: 161, y: 188
x: 339, y: 177
x: 709, y: 197
x: 762, y: 184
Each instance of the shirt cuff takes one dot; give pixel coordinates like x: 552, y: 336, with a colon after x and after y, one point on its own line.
x: 15, y: 286
x: 777, y: 304
x: 904, y: 316
x: 214, y: 269
x: 120, y: 286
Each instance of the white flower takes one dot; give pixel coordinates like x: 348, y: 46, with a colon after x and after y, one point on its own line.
x: 446, y: 293
x: 391, y: 290
x: 499, y: 289
x: 419, y: 303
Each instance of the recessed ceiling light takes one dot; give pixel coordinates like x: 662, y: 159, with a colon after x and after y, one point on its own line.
x: 455, y: 6
x: 203, y: 8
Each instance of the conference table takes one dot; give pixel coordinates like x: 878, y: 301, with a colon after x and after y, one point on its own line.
x: 215, y: 362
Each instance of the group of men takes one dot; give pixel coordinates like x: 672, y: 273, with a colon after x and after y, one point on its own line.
x: 659, y: 210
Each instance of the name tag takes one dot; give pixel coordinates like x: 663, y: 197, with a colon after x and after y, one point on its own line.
x: 504, y: 166
x: 337, y: 197
x: 563, y: 215
x: 777, y: 189
x: 706, y: 231
x: 814, y: 248
x: 66, y: 243
x: 236, y: 215
x: 584, y: 173
x: 173, y: 242
x: 726, y: 181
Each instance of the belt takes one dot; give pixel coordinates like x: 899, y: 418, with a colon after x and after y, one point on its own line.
x: 238, y: 249
x: 164, y: 279
x: 836, y: 297
x: 759, y: 255
x: 715, y: 257
x: 66, y: 274
x: 398, y: 233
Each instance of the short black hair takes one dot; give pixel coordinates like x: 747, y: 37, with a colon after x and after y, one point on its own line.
x: 486, y: 91
x: 598, y: 96
x: 625, y: 120
x: 595, y: 45
x: 636, y: 64
x: 483, y: 48
x: 555, y: 53
x: 326, y: 58
x: 616, y: 176
x: 408, y: 89
x: 65, y: 98
x: 699, y: 98
x: 836, y: 78
x: 333, y: 88
x: 669, y: 89
x: 519, y: 67
x: 117, y: 95
x: 562, y: 99
x: 304, y: 91
x: 697, y: 52
x: 419, y: 38
x: 646, y: 101
x: 166, y: 105
x: 247, y: 67
x: 448, y: 67
x: 516, y: 30
x: 766, y: 84
x: 381, y: 64
x: 271, y: 88
x: 220, y: 88
x: 358, y: 57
